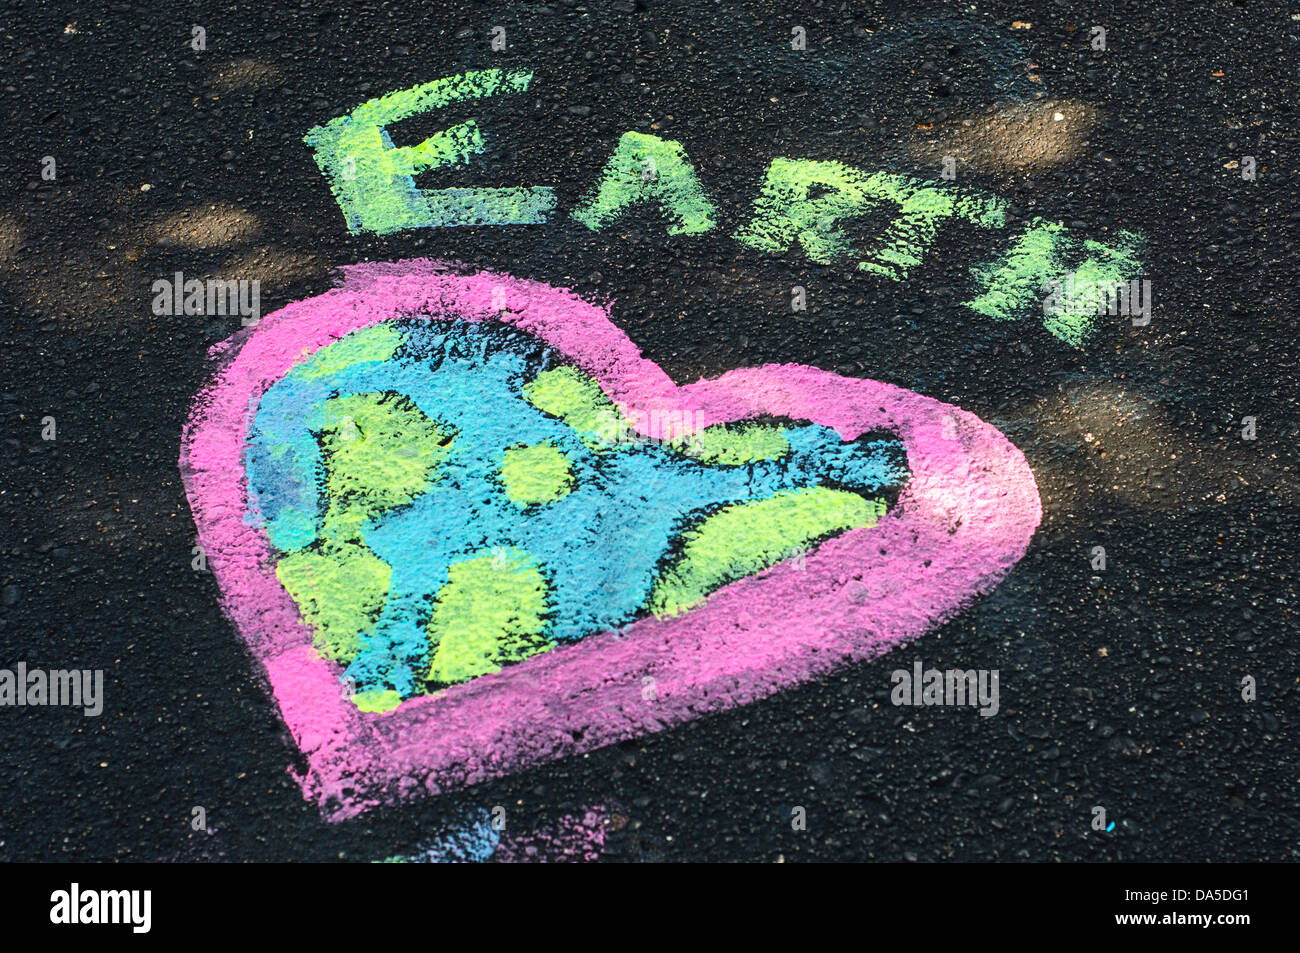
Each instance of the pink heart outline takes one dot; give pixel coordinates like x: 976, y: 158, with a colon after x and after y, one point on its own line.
x: 964, y: 518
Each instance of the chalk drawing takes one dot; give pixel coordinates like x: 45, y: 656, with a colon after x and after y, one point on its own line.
x: 1012, y: 286
x: 471, y: 840
x: 409, y: 494
x: 645, y: 168
x: 1043, y: 253
x: 373, y: 179
x: 504, y: 550
x: 475, y: 840
x: 785, y: 214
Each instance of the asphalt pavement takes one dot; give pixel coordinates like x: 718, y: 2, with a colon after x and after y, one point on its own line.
x: 1159, y: 685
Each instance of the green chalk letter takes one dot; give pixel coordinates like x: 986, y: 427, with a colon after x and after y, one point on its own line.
x: 373, y: 179
x: 1016, y: 284
x: 645, y: 168
x: 923, y: 207
x: 784, y: 213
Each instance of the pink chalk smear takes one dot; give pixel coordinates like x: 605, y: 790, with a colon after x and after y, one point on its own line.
x: 963, y: 520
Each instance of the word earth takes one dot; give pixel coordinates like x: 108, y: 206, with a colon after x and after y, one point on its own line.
x: 801, y: 202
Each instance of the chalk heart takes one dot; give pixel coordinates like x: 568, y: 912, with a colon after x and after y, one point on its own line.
x: 962, y: 516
